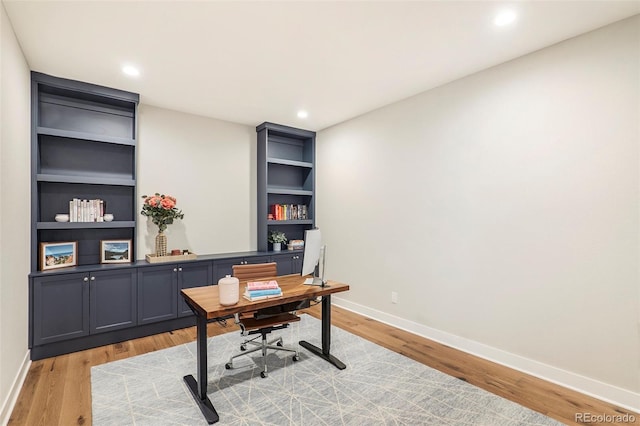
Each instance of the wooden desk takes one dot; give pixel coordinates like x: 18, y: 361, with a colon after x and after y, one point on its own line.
x: 205, y: 303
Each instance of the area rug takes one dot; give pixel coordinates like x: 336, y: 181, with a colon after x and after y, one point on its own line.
x: 378, y: 387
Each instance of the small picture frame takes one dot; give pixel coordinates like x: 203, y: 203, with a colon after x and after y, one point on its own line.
x: 58, y: 255
x: 115, y: 251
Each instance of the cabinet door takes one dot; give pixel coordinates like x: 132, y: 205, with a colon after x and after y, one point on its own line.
x: 222, y: 268
x: 192, y: 275
x: 60, y: 308
x: 113, y: 300
x: 157, y: 293
x: 289, y: 263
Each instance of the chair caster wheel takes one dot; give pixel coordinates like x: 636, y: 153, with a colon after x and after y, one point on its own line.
x: 263, y: 375
x: 228, y: 366
x: 296, y: 358
x: 243, y: 347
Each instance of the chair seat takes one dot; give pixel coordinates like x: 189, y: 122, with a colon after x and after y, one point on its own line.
x: 254, y: 324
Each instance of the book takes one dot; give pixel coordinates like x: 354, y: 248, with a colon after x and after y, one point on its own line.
x: 262, y: 285
x: 253, y: 297
x: 267, y: 292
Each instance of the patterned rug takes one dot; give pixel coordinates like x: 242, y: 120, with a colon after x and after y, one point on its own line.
x: 378, y: 387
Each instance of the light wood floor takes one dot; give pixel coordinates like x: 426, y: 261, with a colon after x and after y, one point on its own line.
x: 57, y: 391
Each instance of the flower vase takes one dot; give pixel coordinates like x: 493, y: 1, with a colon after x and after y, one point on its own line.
x: 161, y: 244
x: 276, y: 246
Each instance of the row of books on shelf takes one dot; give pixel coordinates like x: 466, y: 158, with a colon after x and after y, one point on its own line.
x: 86, y: 210
x: 259, y: 290
x: 288, y: 211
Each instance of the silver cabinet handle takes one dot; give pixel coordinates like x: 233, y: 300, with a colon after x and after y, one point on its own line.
x: 180, y: 269
x: 175, y: 270
x: 85, y: 279
x: 93, y: 278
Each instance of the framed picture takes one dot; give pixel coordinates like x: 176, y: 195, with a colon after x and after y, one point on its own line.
x: 115, y: 251
x: 58, y: 255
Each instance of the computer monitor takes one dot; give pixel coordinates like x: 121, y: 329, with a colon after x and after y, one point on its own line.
x: 313, y: 258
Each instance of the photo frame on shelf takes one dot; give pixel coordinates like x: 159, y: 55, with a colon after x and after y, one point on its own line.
x: 56, y: 255
x: 115, y: 251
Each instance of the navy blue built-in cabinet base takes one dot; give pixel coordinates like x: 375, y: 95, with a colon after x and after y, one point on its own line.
x: 87, y: 306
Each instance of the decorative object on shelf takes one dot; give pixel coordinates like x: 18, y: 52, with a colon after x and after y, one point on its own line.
x: 277, y: 238
x: 62, y: 217
x: 163, y: 211
x: 229, y: 290
x: 295, y: 245
x: 58, y: 255
x: 161, y: 244
x: 108, y: 217
x: 115, y: 251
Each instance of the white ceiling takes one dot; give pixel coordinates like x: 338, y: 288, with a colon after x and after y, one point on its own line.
x: 250, y: 62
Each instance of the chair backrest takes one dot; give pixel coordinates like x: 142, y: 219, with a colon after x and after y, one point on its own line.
x: 255, y: 271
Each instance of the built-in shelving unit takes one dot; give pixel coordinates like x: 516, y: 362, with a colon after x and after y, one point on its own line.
x: 286, y: 176
x: 83, y: 146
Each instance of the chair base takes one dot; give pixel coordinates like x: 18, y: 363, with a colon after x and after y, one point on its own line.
x: 263, y: 346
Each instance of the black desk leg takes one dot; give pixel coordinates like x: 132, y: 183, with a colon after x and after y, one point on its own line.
x: 199, y: 389
x: 324, y: 353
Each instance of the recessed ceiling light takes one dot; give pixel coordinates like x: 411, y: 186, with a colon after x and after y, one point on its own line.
x: 130, y: 70
x: 303, y: 114
x: 505, y: 18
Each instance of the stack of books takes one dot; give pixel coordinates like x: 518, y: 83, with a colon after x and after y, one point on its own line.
x: 288, y: 211
x: 86, y: 210
x: 258, y: 290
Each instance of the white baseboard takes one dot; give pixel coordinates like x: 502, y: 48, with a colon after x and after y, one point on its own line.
x: 11, y: 399
x: 603, y: 391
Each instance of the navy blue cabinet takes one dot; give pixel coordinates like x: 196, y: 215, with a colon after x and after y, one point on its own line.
x: 68, y: 306
x: 89, y: 306
x: 157, y: 293
x: 289, y: 262
x: 190, y: 275
x: 60, y: 307
x: 159, y: 289
x: 113, y: 300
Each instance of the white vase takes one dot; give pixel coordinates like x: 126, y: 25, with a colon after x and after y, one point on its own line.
x: 276, y: 246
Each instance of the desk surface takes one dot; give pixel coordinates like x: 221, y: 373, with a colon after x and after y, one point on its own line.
x: 206, y: 299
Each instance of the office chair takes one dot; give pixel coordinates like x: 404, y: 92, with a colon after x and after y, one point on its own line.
x: 261, y: 322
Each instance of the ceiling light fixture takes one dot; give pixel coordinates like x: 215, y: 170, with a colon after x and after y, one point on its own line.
x: 130, y: 70
x: 505, y: 18
x: 303, y: 114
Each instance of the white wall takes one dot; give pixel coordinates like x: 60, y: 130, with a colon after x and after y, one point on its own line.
x: 209, y: 166
x: 503, y: 209
x: 14, y: 214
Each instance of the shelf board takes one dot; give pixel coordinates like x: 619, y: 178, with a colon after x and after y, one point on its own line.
x: 290, y: 222
x: 95, y: 180
x: 288, y: 191
x: 294, y: 163
x: 93, y: 137
x: 87, y: 225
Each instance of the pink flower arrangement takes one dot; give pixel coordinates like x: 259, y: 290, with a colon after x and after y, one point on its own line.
x: 161, y: 209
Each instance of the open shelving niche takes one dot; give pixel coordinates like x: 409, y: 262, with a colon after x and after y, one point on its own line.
x: 83, y: 146
x: 286, y: 175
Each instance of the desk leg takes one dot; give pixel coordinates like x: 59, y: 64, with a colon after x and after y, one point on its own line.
x: 199, y: 389
x: 324, y: 353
